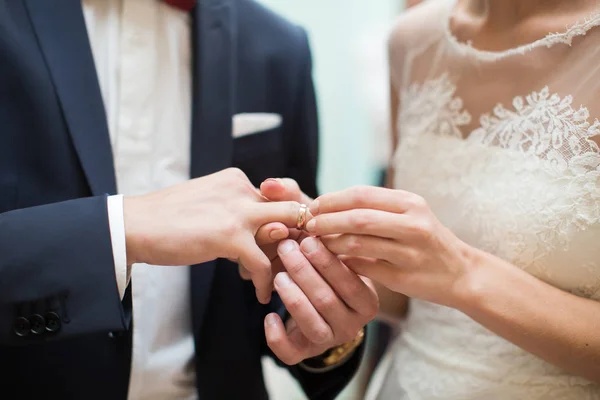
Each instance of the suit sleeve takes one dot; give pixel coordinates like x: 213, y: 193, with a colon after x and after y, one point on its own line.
x: 303, y: 163
x: 57, y: 273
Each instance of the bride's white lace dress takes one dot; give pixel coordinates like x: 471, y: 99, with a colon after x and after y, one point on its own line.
x: 503, y: 146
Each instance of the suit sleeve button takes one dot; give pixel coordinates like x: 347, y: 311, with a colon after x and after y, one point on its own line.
x: 21, y: 326
x: 52, y: 322
x: 38, y: 324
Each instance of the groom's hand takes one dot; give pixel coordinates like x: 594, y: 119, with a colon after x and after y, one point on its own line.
x: 216, y: 216
x: 327, y: 302
x: 269, y: 235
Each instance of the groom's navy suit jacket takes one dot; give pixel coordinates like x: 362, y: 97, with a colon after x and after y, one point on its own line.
x: 64, y: 332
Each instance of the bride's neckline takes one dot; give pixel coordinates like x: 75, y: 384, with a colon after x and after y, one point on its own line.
x: 579, y: 28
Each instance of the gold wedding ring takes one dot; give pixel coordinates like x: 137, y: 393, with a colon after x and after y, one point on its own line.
x: 301, y: 220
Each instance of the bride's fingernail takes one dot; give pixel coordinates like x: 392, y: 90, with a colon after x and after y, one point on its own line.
x: 314, y: 207
x: 277, y: 234
x: 311, y: 226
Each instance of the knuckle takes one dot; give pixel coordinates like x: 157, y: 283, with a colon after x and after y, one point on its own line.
x: 294, y: 304
x: 424, y: 228
x: 415, y: 201
x: 360, y: 219
x: 290, y: 360
x: 416, y: 258
x: 355, y: 289
x: 230, y: 227
x: 248, y: 190
x: 321, y: 334
x: 235, y: 173
x: 263, y: 266
x: 353, y: 245
x: 325, y: 302
x: 296, y: 268
x: 360, y: 194
x: 244, y: 273
x: 326, y: 265
x: 371, y: 310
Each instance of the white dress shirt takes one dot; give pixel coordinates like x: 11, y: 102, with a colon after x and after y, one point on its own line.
x: 142, y: 52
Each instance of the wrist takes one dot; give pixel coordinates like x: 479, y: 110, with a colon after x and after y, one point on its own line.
x: 334, y: 357
x: 469, y: 290
x: 134, y: 237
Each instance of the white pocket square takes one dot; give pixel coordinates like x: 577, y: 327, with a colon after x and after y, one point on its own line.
x: 251, y: 123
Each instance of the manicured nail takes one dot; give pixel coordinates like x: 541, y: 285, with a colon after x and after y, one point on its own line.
x: 314, y: 207
x: 278, y: 234
x: 311, y: 226
x: 271, y: 319
x: 309, y: 245
x: 287, y: 246
x: 283, y: 280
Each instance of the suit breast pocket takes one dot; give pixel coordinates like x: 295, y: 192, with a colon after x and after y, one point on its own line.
x: 257, y: 145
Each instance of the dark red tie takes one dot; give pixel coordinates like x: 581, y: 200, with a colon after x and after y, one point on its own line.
x: 185, y: 5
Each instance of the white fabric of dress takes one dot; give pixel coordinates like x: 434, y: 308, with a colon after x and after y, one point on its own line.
x: 504, y: 147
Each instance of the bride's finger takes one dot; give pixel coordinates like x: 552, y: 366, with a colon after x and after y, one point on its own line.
x: 363, y: 222
x: 379, y: 271
x: 377, y: 198
x: 367, y: 246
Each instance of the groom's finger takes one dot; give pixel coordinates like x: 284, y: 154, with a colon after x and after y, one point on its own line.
x: 259, y: 266
x: 289, y: 351
x: 271, y: 233
x: 276, y: 267
x: 310, y: 322
x: 286, y: 212
x: 354, y: 291
x: 319, y: 292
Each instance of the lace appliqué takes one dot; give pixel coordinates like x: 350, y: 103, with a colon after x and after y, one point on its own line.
x: 546, y: 126
x: 541, y: 124
x: 434, y: 98
x: 541, y: 134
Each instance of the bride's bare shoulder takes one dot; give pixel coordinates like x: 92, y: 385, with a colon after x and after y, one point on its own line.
x: 420, y: 24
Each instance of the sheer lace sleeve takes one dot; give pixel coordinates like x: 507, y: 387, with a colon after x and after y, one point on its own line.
x: 503, y: 145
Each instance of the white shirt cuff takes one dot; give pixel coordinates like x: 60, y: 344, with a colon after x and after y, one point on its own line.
x: 116, y: 223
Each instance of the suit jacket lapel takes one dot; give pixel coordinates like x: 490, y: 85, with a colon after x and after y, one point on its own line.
x: 62, y: 35
x: 214, y: 39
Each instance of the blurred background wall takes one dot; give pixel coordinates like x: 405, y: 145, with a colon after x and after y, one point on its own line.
x: 348, y: 43
x: 348, y: 40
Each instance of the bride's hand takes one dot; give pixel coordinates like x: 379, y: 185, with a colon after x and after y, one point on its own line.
x: 393, y: 237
